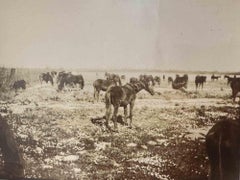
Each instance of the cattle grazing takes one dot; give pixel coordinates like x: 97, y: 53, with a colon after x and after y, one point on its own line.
x: 19, y: 84
x: 180, y: 82
x: 46, y: 77
x: 170, y: 80
x: 71, y: 80
x: 235, y: 86
x: 122, y: 96
x: 157, y: 79
x: 147, y: 78
x: 101, y: 85
x: 213, y: 77
x: 200, y: 80
x: 114, y: 77
x: 223, y: 150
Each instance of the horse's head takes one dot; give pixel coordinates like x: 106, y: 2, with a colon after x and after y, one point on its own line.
x: 147, y: 87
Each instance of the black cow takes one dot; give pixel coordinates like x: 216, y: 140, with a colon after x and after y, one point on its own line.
x: 180, y: 82
x: 199, y: 81
x: 19, y: 84
x: 223, y: 150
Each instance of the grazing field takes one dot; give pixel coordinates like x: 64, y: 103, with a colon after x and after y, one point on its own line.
x: 59, y: 141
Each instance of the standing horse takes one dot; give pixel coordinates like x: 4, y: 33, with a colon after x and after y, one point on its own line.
x: 213, y: 77
x: 147, y: 78
x: 46, y: 77
x: 102, y: 85
x: 122, y: 96
x: 199, y: 81
x: 223, y: 150
x: 235, y: 86
x: 70, y: 79
x: 180, y: 82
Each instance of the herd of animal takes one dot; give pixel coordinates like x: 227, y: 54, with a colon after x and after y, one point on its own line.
x: 222, y: 140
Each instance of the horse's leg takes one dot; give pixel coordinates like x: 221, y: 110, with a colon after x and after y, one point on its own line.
x: 108, y: 115
x: 115, y: 111
x: 98, y: 93
x: 125, y: 115
x: 131, y: 113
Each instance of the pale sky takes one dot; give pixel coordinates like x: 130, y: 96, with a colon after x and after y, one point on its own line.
x: 159, y: 34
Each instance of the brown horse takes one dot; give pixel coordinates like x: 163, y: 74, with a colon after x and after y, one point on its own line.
x: 102, y: 85
x: 223, y: 147
x: 122, y: 96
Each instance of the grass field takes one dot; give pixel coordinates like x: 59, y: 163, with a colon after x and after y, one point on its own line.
x: 59, y: 141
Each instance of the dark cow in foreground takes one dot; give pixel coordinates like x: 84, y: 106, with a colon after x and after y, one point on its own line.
x: 200, y: 80
x: 157, y: 79
x: 180, y: 82
x: 19, y: 84
x: 122, y: 96
x: 213, y: 77
x: 102, y: 85
x: 170, y: 80
x: 46, y: 77
x: 147, y: 78
x: 71, y: 80
x: 114, y: 77
x: 223, y: 150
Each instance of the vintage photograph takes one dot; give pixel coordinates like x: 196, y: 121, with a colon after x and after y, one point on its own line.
x: 120, y: 89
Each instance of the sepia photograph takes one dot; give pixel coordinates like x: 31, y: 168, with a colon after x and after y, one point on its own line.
x: 119, y: 89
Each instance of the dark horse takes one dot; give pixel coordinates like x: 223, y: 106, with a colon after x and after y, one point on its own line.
x: 147, y: 78
x: 213, y: 77
x: 102, y: 85
x: 170, y: 80
x: 223, y: 150
x: 46, y: 77
x: 157, y: 79
x: 180, y: 82
x: 230, y: 79
x: 114, y: 77
x: 122, y: 96
x: 235, y: 86
x: 70, y: 79
x: 19, y: 84
x: 200, y: 80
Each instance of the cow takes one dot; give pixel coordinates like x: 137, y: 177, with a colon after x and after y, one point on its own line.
x: 122, y: 96
x: 19, y: 84
x: 46, y: 77
x: 213, y: 77
x: 200, y: 80
x: 102, y: 85
x: 180, y: 82
x: 223, y: 150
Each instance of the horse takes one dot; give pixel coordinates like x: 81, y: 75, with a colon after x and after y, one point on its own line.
x: 180, y: 82
x: 147, y: 78
x: 223, y: 150
x: 102, y: 85
x: 200, y: 80
x: 170, y: 80
x: 235, y: 86
x: 113, y: 77
x: 230, y: 79
x: 213, y: 77
x: 46, y: 77
x: 133, y: 80
x: 70, y: 79
x: 122, y: 96
x: 157, y: 79
x: 19, y: 84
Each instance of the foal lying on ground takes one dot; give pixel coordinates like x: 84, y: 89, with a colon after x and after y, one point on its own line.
x: 122, y: 96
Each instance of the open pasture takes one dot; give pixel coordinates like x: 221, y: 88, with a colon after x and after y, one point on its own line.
x: 59, y: 141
